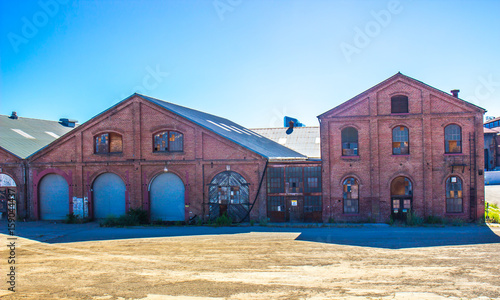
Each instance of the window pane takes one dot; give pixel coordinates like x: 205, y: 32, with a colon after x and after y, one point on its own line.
x: 102, y: 143
x: 161, y: 142
x: 351, y: 195
x: 275, y: 180
x: 454, y: 195
x: 176, y: 141
x: 399, y: 104
x: 400, y: 140
x: 349, y: 141
x: 453, y: 139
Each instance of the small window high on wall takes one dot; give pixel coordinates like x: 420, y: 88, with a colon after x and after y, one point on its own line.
x: 108, y: 143
x: 399, y: 105
x: 168, y: 141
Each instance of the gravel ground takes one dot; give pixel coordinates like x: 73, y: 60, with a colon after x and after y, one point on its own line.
x: 264, y: 263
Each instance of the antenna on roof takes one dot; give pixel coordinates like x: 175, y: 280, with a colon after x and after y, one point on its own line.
x: 13, y: 115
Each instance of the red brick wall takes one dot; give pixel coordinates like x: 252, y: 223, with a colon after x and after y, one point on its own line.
x: 427, y: 166
x: 13, y: 166
x: 205, y: 155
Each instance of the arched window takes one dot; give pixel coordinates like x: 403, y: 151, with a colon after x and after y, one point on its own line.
x: 454, y: 203
x: 349, y: 141
x: 399, y: 104
x: 453, y: 139
x: 351, y: 196
x: 400, y: 140
x: 168, y: 141
x: 109, y: 142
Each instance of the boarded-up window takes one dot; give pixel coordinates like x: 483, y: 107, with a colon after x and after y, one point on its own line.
x: 400, y: 140
x: 168, y: 141
x: 454, y: 203
x: 351, y: 196
x: 453, y: 139
x: 108, y: 143
x: 349, y: 141
x: 399, y: 105
x: 115, y: 143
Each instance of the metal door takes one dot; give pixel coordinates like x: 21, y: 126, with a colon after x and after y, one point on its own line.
x: 295, y: 209
x: 167, y: 198
x: 108, y: 196
x: 54, y: 197
x: 400, y: 207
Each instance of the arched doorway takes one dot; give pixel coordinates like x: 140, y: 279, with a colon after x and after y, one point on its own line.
x: 228, y: 193
x: 401, y: 197
x: 167, y: 198
x: 8, y: 196
x: 54, y: 197
x: 108, y: 196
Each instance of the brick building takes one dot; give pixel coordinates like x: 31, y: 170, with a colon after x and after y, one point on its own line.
x: 402, y: 145
x: 170, y: 160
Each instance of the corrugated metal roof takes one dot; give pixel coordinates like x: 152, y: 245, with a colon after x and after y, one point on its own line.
x: 231, y: 131
x: 490, y: 130
x: 305, y: 140
x: 24, y: 136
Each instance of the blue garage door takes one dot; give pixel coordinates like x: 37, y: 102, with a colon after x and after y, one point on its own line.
x: 167, y: 198
x: 54, y: 197
x: 108, y: 196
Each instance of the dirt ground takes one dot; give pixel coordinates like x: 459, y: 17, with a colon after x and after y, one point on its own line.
x: 255, y: 265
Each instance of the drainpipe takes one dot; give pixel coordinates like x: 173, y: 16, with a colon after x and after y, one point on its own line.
x: 25, y: 189
x: 258, y: 191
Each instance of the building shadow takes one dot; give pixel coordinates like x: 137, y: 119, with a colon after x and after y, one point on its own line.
x: 405, y: 237
x: 356, y: 235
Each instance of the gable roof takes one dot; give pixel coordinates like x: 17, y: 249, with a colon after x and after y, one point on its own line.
x: 24, y: 136
x: 231, y: 131
x: 305, y: 140
x: 396, y: 76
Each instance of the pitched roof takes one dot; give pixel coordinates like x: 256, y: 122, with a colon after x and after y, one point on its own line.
x: 490, y: 130
x: 231, y: 131
x: 24, y: 136
x: 492, y: 120
x: 305, y: 140
x: 397, y: 75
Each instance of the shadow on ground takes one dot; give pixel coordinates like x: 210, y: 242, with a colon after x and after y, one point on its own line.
x: 380, y: 236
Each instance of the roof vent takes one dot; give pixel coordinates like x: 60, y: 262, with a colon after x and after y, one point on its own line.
x: 67, y: 122
x: 455, y: 93
x: 13, y: 115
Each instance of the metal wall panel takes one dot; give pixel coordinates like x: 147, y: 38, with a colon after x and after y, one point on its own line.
x: 54, y: 197
x: 167, y: 198
x: 108, y: 196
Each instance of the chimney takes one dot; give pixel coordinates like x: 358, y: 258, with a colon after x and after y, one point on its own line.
x: 455, y: 93
x: 13, y: 116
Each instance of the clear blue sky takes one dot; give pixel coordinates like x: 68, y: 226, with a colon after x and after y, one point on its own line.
x: 251, y: 61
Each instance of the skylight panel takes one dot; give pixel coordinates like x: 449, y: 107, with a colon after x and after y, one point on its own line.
x: 24, y: 134
x: 219, y: 125
x: 52, y: 134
